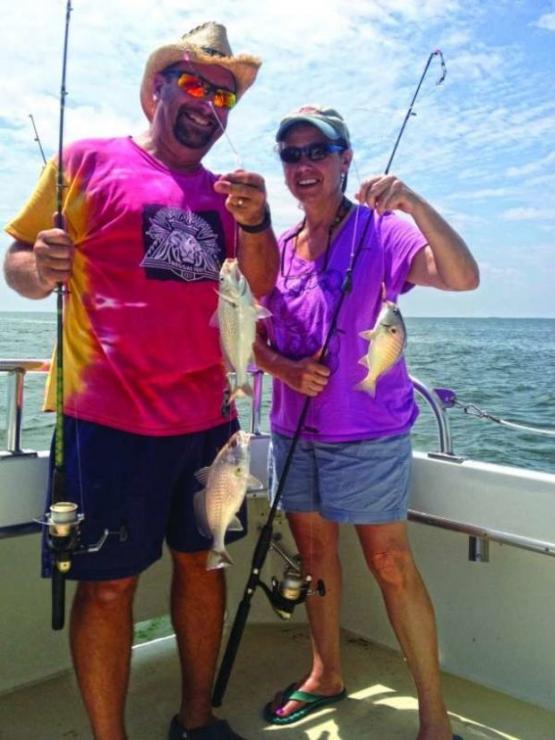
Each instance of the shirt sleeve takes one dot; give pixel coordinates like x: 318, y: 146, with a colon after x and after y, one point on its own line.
x: 38, y: 212
x: 401, y: 241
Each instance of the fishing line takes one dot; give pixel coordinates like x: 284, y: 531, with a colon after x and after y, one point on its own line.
x: 238, y: 162
x: 239, y: 166
x: 58, y: 483
x: 228, y: 138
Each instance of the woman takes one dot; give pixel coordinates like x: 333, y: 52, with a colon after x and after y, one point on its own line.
x: 352, y: 462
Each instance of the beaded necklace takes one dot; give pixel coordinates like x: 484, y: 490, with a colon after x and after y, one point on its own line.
x: 342, y: 210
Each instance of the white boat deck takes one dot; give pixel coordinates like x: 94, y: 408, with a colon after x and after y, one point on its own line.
x: 381, y: 703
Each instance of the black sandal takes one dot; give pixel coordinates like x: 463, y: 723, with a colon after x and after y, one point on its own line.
x: 219, y: 730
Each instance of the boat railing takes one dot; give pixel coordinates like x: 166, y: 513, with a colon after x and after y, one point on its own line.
x: 16, y: 371
x: 479, y: 537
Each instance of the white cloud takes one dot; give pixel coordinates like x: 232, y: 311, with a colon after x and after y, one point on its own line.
x: 546, y: 21
x: 480, y: 147
x: 529, y: 214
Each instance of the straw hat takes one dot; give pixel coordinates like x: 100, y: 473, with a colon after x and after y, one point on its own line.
x: 205, y: 44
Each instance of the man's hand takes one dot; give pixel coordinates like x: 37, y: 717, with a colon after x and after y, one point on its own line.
x: 54, y: 252
x: 246, y: 196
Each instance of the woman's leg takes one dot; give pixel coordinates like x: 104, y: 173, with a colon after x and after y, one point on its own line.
x: 316, y: 539
x: 388, y: 555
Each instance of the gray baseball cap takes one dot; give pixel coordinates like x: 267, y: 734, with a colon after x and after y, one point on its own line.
x: 327, y: 120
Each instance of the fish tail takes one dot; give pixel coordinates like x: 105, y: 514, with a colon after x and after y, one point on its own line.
x: 218, y: 559
x: 241, y: 390
x: 368, y: 385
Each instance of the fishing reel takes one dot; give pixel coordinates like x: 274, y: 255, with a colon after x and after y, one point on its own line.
x: 63, y: 536
x: 293, y: 589
x: 62, y: 522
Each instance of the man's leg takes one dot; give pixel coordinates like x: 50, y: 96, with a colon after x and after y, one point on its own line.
x: 197, y: 608
x: 388, y: 555
x: 101, y: 633
x: 316, y: 539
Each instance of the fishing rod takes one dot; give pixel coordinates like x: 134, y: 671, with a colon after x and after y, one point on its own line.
x: 62, y: 519
x: 410, y: 111
x: 37, y: 139
x: 266, y: 539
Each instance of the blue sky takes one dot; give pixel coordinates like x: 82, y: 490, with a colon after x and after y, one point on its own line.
x: 481, y: 148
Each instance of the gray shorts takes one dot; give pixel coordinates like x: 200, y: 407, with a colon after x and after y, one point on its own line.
x: 363, y: 482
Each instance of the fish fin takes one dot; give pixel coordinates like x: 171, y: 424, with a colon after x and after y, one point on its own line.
x: 235, y: 525
x: 218, y: 559
x: 369, y: 334
x: 364, y: 361
x: 227, y: 299
x: 202, y: 474
x: 214, y: 321
x: 199, y: 506
x: 253, y: 484
x: 262, y: 312
x: 368, y: 385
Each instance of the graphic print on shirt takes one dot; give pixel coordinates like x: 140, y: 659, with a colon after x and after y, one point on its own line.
x: 294, y: 340
x: 182, y: 245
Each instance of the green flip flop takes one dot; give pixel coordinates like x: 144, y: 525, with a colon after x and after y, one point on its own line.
x: 312, y: 702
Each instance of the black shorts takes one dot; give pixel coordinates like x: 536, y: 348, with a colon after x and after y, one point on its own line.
x: 137, y: 486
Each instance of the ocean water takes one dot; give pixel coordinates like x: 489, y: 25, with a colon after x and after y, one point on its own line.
x: 504, y: 366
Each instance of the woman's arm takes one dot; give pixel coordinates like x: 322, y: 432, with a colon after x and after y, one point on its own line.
x: 446, y: 262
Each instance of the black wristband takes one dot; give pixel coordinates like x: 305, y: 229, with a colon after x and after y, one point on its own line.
x: 262, y: 226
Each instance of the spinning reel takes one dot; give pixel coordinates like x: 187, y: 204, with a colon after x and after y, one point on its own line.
x: 293, y: 588
x: 63, y: 538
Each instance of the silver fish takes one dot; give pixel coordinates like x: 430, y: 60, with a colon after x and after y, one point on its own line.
x: 225, y: 485
x: 387, y: 339
x: 236, y: 318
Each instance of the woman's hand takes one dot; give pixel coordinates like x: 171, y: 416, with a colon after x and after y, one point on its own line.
x: 388, y: 193
x: 306, y: 376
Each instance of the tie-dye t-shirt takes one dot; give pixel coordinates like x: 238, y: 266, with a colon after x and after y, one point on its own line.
x: 140, y: 354
x: 302, y: 305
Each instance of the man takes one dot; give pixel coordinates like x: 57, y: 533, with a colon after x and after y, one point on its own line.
x: 146, y: 230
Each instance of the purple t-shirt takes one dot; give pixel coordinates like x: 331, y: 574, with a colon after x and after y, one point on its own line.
x: 302, y: 305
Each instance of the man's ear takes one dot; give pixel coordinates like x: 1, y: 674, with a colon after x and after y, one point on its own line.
x: 157, y: 86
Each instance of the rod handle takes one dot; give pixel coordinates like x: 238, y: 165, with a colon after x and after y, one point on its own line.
x: 58, y: 598
x: 231, y: 650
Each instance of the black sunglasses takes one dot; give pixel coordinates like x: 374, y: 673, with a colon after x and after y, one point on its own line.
x: 314, y: 152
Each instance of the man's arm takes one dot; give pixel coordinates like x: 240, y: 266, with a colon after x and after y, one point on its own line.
x: 258, y: 260
x: 258, y: 252
x: 446, y: 262
x: 34, y: 270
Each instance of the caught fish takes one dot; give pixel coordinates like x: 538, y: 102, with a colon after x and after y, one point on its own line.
x: 225, y: 485
x: 387, y: 339
x: 236, y: 318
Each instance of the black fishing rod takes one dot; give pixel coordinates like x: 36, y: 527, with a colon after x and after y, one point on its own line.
x: 410, y: 111
x: 37, y: 139
x: 264, y: 542
x: 62, y: 519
